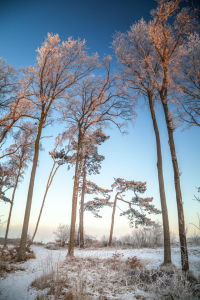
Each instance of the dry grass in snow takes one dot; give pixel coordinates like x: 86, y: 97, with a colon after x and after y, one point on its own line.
x: 102, y: 274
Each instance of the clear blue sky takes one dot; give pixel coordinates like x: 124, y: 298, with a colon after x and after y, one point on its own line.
x: 23, y: 27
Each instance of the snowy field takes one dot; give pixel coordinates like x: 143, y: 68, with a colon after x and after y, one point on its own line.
x: 16, y: 285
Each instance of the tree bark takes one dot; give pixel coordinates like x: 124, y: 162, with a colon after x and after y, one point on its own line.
x: 112, y: 220
x: 82, y: 207
x: 74, y: 200
x: 22, y: 247
x: 11, y: 206
x: 181, y: 222
x: 167, y: 244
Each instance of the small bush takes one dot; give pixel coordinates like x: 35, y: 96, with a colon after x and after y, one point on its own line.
x: 62, y: 234
x: 133, y: 262
x: 115, y: 259
x: 104, y: 241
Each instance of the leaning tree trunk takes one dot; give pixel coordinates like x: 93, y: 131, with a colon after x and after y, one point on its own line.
x: 82, y: 207
x: 74, y: 201
x: 11, y: 206
x: 49, y: 182
x: 22, y: 247
x: 41, y: 209
x: 181, y: 222
x: 167, y: 245
x: 112, y: 220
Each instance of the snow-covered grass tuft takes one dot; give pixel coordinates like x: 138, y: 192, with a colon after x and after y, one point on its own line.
x: 176, y: 286
x: 51, y: 282
x: 165, y: 283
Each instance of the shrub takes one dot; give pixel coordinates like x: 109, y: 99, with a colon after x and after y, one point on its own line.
x: 115, y: 259
x: 104, y: 240
x: 133, y: 262
x: 62, y: 234
x: 90, y: 240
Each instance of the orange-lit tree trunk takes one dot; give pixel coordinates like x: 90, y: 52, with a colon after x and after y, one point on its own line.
x: 82, y: 207
x: 75, y: 197
x: 181, y: 221
x: 168, y: 45
x: 22, y: 248
x: 49, y: 182
x: 113, y: 215
x: 36, y: 227
x: 167, y: 245
x: 51, y: 176
x: 112, y: 220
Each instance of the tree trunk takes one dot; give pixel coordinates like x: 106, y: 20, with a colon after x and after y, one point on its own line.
x: 167, y: 245
x: 74, y: 201
x: 11, y: 206
x: 36, y: 227
x: 51, y: 176
x: 82, y: 207
x: 181, y: 222
x: 22, y: 247
x: 78, y: 235
x: 112, y: 220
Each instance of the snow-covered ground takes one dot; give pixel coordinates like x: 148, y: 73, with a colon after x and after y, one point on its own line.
x: 16, y: 286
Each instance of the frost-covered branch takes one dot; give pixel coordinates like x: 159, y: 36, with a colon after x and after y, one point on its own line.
x: 96, y: 204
